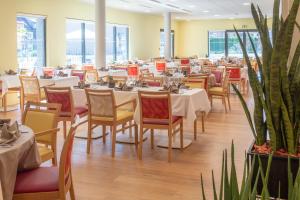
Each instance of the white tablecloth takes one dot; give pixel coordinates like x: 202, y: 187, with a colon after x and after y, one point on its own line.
x: 184, y: 104
x: 13, y: 81
x: 22, y: 155
x: 117, y: 72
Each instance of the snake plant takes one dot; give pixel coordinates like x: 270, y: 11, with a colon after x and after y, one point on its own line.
x: 276, y: 86
x: 230, y: 189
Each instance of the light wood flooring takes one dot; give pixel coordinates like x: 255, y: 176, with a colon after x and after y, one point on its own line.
x: 98, y: 176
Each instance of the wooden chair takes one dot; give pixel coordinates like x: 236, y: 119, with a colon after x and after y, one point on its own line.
x: 42, y: 119
x: 120, y: 79
x: 30, y: 90
x: 203, y: 77
x: 160, y: 65
x: 48, y: 71
x: 235, y: 77
x: 78, y: 73
x: 104, y: 111
x: 152, y: 81
x: 186, y: 69
x: 156, y: 113
x: 63, y: 96
x: 197, y: 83
x: 88, y: 67
x: 185, y: 61
x: 4, y: 96
x: 48, y: 183
x: 132, y: 70
x: 221, y: 92
x: 91, y: 76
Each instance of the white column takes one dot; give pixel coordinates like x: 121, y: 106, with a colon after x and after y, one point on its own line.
x: 100, y: 24
x: 167, y: 30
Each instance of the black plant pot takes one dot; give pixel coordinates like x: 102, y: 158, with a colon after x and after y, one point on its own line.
x: 278, y: 172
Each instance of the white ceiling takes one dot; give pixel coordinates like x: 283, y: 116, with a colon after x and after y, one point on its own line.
x: 193, y: 9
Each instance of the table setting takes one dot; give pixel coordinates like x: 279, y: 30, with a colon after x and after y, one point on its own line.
x: 18, y: 152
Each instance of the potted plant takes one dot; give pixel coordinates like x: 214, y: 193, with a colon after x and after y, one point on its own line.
x: 111, y: 82
x: 229, y: 184
x: 276, y: 93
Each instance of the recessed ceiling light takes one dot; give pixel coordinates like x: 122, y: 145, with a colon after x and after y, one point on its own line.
x: 147, y: 11
x: 205, y: 11
x: 246, y: 4
x: 217, y: 15
x: 231, y: 18
x: 192, y: 6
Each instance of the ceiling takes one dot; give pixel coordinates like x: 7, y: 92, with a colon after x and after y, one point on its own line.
x: 193, y: 9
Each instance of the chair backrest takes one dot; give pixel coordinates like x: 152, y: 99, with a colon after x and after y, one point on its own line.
x: 155, y: 105
x: 160, y: 66
x: 88, y: 67
x: 30, y: 87
x: 218, y: 75
x: 120, y: 79
x: 78, y: 73
x: 41, y: 117
x: 235, y: 73
x: 185, y: 61
x: 144, y: 71
x: 101, y: 103
x: 152, y: 82
x: 132, y: 70
x: 226, y: 81
x: 195, y: 83
x: 65, y: 163
x: 48, y: 71
x: 200, y: 76
x: 186, y: 69
x: 147, y: 75
x: 62, y: 96
x: 91, y: 76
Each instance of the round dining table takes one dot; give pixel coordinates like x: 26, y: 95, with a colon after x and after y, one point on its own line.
x: 19, y: 155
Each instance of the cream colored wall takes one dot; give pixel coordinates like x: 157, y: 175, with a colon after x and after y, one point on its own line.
x: 144, y: 28
x: 193, y: 38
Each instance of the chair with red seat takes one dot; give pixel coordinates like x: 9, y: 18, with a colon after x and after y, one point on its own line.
x: 132, y: 70
x: 88, y: 67
x: 160, y: 66
x: 218, y: 77
x: 48, y: 71
x: 79, y: 73
x: 156, y: 113
x: 48, y: 183
x: 235, y: 77
x: 63, y: 96
x: 185, y: 61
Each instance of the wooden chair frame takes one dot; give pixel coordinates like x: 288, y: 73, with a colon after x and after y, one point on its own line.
x: 92, y: 123
x: 92, y: 71
x: 70, y: 115
x: 48, y: 108
x: 65, y: 178
x: 171, y: 127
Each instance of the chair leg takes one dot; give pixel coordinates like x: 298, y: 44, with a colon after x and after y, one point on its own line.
x: 141, y: 143
x: 136, y: 137
x: 65, y: 129
x: 113, y: 142
x: 72, y: 193
x: 89, y: 139
x: 181, y: 135
x: 123, y: 128
x: 202, y: 118
x: 195, y: 129
x: 228, y: 99
x: 170, y: 145
x: 130, y: 129
x: 4, y: 103
x: 224, y: 102
x: 104, y: 134
x: 152, y: 138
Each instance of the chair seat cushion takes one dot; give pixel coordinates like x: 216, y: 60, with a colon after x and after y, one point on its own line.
x: 42, y: 179
x: 161, y: 121
x: 121, y: 114
x: 215, y: 90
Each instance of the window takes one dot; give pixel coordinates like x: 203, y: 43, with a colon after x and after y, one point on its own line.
x: 80, y: 42
x: 31, y: 41
x: 117, y: 42
x: 226, y: 43
x: 216, y: 44
x: 162, y: 43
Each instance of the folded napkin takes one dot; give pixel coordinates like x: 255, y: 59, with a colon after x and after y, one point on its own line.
x: 9, y: 133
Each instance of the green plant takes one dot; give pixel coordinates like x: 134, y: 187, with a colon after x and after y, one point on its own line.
x: 230, y: 190
x: 277, y: 91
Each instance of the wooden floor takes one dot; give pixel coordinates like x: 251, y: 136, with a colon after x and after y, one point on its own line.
x: 97, y: 176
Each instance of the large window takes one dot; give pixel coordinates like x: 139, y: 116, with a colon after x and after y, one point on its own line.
x: 31, y: 41
x: 162, y: 43
x: 117, y: 42
x: 226, y: 43
x: 81, y: 42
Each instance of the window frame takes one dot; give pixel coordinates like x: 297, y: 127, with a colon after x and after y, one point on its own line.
x: 44, y: 18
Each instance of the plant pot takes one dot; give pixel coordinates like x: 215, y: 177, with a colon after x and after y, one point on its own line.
x: 278, y: 172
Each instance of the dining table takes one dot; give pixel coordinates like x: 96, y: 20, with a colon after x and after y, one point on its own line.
x: 186, y: 103
x: 19, y: 155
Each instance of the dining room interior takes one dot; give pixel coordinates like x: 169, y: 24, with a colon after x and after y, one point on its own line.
x: 149, y: 99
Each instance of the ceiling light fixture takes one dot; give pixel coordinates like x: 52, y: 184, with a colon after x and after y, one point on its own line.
x: 205, y: 11
x: 246, y: 4
x: 169, y: 6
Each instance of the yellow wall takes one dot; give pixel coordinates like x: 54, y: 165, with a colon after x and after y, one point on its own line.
x: 144, y: 29
x: 193, y: 35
